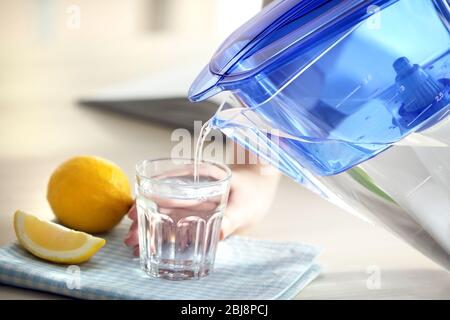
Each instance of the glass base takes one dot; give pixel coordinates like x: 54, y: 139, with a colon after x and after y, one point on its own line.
x: 170, y: 272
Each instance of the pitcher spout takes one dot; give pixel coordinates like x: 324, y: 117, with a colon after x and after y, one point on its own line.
x: 204, y: 86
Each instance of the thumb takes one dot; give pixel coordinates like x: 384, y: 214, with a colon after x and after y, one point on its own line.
x: 227, y: 228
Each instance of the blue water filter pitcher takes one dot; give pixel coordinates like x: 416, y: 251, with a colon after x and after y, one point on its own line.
x: 351, y: 99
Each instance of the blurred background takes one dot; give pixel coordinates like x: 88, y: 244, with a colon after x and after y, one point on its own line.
x: 58, y: 50
x: 53, y: 21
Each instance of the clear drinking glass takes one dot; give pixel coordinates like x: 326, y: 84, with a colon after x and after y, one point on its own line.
x: 179, y: 218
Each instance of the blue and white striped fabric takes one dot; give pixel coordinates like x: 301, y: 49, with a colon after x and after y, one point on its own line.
x: 245, y: 269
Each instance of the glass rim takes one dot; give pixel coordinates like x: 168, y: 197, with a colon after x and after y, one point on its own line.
x: 145, y: 162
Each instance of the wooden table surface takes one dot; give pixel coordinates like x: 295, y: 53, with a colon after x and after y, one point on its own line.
x: 41, y: 125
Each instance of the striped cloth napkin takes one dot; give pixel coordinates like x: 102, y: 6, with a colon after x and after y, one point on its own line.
x: 245, y: 269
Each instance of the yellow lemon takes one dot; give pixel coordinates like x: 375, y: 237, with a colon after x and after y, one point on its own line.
x: 52, y: 242
x: 89, y: 194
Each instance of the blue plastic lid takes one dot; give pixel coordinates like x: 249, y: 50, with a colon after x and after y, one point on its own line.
x: 281, y: 30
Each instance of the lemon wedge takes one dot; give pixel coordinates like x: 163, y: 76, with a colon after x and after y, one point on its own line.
x: 53, y: 242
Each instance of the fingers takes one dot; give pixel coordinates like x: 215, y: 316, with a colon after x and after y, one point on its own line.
x: 132, y: 238
x: 136, y: 251
x: 227, y: 228
x: 238, y: 218
x: 132, y: 213
x: 179, y: 213
x: 194, y: 204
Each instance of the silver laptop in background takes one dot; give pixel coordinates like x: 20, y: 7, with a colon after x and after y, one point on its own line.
x: 161, y: 97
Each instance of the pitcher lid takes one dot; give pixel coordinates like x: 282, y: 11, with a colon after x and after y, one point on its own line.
x: 281, y: 30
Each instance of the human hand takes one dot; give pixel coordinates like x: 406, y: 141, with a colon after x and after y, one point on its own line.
x: 253, y: 188
x: 251, y: 193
